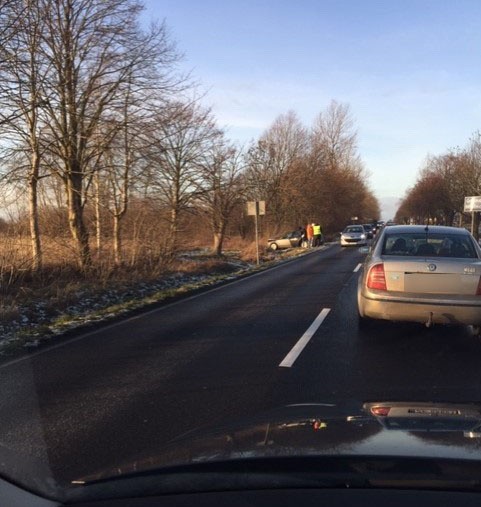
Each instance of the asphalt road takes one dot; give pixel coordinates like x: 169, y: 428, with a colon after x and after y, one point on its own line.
x: 123, y: 391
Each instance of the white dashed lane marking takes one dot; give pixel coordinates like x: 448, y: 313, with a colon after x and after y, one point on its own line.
x: 289, y: 360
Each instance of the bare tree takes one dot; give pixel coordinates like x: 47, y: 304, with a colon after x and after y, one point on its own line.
x: 277, y: 151
x: 429, y: 199
x: 182, y: 134
x: 311, y: 177
x: 222, y: 180
x: 124, y: 160
x: 338, y: 183
x: 23, y: 72
x: 93, y: 47
x: 443, y: 183
x: 334, y: 138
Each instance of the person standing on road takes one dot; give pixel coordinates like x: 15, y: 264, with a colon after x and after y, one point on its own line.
x: 316, y: 228
x: 310, y: 234
x: 303, y: 236
x: 321, y: 237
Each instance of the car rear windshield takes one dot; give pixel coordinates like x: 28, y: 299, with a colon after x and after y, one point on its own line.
x: 431, y: 244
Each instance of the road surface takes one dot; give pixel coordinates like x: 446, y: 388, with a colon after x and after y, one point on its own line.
x: 286, y: 335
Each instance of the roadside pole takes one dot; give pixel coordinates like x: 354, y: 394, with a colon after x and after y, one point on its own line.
x: 256, y: 208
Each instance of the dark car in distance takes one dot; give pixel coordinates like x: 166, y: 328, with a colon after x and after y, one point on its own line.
x: 369, y: 230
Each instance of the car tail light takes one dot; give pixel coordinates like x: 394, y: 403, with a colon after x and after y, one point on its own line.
x: 380, y: 411
x: 478, y: 290
x: 376, y: 278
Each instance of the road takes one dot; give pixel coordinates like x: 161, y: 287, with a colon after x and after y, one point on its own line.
x: 119, y: 392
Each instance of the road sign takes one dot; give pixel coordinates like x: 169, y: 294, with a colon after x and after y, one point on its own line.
x: 472, y: 203
x: 256, y: 208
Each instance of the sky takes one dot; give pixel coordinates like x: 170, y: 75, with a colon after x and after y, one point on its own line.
x: 410, y: 71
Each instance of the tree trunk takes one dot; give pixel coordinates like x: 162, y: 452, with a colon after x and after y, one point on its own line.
x: 75, y: 218
x: 171, y: 239
x: 117, y: 241
x: 98, y: 222
x: 33, y: 215
x: 219, y: 235
x: 218, y: 240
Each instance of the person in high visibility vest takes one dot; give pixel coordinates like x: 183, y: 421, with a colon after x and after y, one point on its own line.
x: 316, y: 228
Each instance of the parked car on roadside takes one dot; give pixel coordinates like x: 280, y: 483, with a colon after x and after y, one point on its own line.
x: 427, y: 274
x: 288, y: 240
x: 353, y: 235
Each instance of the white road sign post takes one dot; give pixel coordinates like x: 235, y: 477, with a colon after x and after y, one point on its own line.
x: 472, y: 204
x: 256, y: 208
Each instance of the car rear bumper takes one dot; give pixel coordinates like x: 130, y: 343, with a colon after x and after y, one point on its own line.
x: 464, y: 313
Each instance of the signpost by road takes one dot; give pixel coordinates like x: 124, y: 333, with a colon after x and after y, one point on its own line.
x: 256, y: 208
x: 472, y: 204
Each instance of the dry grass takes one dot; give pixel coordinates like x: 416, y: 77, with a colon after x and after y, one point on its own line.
x: 39, y: 296
x: 246, y: 249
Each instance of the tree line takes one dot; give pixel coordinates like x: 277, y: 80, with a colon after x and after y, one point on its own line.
x: 104, y: 141
x: 442, y: 184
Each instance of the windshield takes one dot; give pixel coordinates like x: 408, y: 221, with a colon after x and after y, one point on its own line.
x: 358, y: 229
x: 439, y: 245
x: 175, y: 288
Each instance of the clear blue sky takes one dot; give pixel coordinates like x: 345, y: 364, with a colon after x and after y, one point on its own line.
x: 410, y: 71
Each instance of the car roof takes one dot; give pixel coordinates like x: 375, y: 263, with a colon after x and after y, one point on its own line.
x: 439, y: 229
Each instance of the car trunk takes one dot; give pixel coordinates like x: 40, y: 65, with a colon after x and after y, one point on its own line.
x: 433, y: 276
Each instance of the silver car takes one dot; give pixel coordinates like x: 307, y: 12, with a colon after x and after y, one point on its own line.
x: 289, y: 240
x: 428, y: 274
x: 353, y: 235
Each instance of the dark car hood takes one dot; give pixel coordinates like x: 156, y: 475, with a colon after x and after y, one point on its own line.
x: 429, y: 430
